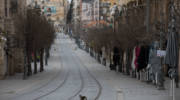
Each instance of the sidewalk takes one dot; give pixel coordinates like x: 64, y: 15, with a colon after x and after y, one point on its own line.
x: 14, y: 85
x: 130, y: 88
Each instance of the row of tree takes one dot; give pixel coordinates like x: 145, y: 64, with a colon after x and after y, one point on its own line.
x: 35, y: 34
x: 130, y: 31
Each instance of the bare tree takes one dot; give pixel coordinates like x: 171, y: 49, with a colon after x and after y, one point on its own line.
x: 36, y: 33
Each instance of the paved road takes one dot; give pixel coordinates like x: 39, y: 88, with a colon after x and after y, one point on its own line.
x: 72, y: 79
x: 72, y: 72
x: 77, y: 78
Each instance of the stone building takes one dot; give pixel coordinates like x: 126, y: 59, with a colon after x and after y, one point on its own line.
x: 87, y: 11
x: 76, y: 9
x: 2, y: 43
x: 10, y: 55
x: 96, y: 10
x: 124, y: 2
x: 54, y: 9
x: 2, y: 59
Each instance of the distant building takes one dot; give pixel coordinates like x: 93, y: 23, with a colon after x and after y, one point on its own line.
x: 90, y: 11
x: 96, y: 10
x: 55, y: 10
x: 125, y: 2
x: 105, y: 6
x: 87, y: 11
x: 76, y: 9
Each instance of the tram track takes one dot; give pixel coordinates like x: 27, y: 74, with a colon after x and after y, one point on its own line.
x: 63, y: 83
x: 41, y: 88
x: 60, y: 85
x: 78, y: 60
x: 81, y: 87
x: 82, y: 83
x: 81, y: 72
x: 95, y: 79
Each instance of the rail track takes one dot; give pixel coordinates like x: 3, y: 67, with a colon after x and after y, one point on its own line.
x: 98, y: 83
x: 59, y: 86
x: 77, y: 59
x: 82, y: 68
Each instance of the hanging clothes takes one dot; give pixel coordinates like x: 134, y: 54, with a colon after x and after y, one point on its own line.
x: 149, y: 67
x: 116, y: 56
x: 143, y: 58
x: 133, y: 59
x: 138, y: 49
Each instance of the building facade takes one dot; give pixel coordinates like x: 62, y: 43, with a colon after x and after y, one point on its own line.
x: 87, y: 11
x: 2, y: 43
x: 96, y: 10
x: 54, y: 9
x: 124, y: 2
x: 90, y: 11
x: 10, y: 56
x: 2, y: 59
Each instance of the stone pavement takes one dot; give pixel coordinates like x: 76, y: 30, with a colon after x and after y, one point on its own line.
x: 129, y: 88
x: 14, y: 85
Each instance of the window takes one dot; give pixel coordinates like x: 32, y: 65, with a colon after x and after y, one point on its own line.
x: 5, y: 7
x: 13, y: 6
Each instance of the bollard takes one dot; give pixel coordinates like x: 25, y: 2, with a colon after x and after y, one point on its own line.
x: 120, y: 95
x: 172, y: 89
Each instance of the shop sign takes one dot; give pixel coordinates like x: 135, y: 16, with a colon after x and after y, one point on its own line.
x: 161, y: 53
x: 50, y: 9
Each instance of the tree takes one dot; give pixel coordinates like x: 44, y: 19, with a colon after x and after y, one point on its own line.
x: 36, y: 33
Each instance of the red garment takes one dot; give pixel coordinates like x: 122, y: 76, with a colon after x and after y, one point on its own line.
x: 138, y: 50
x: 32, y: 54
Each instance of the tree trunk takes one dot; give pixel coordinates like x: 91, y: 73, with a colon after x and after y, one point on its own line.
x: 11, y: 66
x: 121, y: 61
x: 29, y: 64
x: 128, y: 61
x: 41, y: 60
x: 46, y: 56
x: 35, y: 62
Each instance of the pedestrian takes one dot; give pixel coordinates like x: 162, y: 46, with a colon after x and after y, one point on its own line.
x: 156, y: 74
